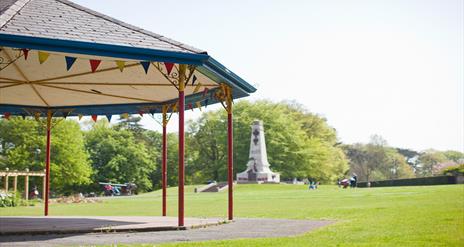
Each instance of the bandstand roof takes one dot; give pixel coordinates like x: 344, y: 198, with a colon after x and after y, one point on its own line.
x: 57, y: 55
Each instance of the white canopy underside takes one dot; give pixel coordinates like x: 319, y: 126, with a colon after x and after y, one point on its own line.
x: 29, y: 83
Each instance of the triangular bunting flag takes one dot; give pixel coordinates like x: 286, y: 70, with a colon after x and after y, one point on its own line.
x: 66, y: 114
x: 169, y: 67
x: 80, y: 116
x: 7, y: 115
x: 24, y: 116
x: 145, y: 65
x: 190, y: 106
x: 26, y: 53
x: 198, y: 104
x: 125, y: 115
x: 94, y: 118
x: 109, y: 116
x: 197, y: 88
x: 194, y: 79
x: 206, y: 103
x: 205, y: 92
x: 37, y: 116
x: 141, y: 113
x: 69, y: 62
x: 94, y: 64
x: 43, y: 56
x: 174, y: 107
x: 120, y: 65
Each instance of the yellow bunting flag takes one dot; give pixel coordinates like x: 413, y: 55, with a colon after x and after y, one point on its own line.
x: 37, y: 116
x: 197, y: 87
x: 174, y: 107
x: 80, y: 116
x: 43, y: 56
x: 121, y: 65
x: 198, y: 104
x: 125, y: 115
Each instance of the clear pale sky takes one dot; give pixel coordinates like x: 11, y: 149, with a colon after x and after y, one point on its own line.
x: 393, y: 67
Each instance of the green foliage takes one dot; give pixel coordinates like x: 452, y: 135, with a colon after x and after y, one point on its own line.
x: 117, y: 157
x: 428, y: 160
x: 299, y: 144
x: 377, y: 161
x: 457, y: 170
x: 23, y: 145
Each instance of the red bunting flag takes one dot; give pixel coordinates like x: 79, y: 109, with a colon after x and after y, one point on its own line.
x: 190, y: 106
x: 205, y: 92
x: 7, y: 115
x: 94, y: 118
x: 141, y: 113
x: 26, y: 53
x: 169, y: 67
x: 94, y: 64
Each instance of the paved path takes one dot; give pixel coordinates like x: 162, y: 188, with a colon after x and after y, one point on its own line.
x: 240, y: 228
x: 81, y: 224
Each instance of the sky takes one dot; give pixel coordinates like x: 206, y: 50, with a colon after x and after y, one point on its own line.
x: 394, y: 68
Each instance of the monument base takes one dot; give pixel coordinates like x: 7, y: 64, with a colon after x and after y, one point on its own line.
x: 249, y: 176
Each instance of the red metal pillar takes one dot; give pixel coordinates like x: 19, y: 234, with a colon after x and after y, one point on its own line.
x: 181, y: 109
x: 47, y: 162
x: 164, y: 165
x: 230, y: 161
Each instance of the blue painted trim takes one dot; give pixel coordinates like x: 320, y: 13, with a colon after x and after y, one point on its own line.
x: 97, y: 49
x: 217, y: 67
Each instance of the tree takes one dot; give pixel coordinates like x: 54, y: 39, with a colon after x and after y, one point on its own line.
x: 428, y: 160
x: 117, y: 157
x: 377, y: 161
x: 299, y: 144
x: 23, y: 146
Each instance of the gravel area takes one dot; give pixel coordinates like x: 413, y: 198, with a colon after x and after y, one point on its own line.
x: 239, y: 228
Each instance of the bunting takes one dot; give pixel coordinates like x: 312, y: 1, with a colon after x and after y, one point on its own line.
x: 94, y: 64
x: 37, y: 116
x: 190, y: 106
x: 205, y: 92
x: 43, y: 56
x: 174, y: 107
x: 94, y: 118
x: 23, y: 116
x: 198, y: 104
x: 125, y: 115
x: 109, y: 116
x: 26, y: 53
x: 69, y: 62
x: 121, y: 65
x: 7, y: 115
x: 194, y: 79
x: 80, y: 116
x: 169, y: 67
x: 197, y: 87
x: 145, y: 65
x: 206, y: 103
x: 66, y: 114
x: 141, y: 113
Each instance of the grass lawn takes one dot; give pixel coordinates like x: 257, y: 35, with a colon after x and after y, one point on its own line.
x: 395, y: 216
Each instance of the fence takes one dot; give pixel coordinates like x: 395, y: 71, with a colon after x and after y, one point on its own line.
x: 415, y: 181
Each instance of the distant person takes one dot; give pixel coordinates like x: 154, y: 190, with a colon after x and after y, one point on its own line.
x: 354, y: 181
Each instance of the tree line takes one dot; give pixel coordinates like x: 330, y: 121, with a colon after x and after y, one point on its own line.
x: 300, y: 144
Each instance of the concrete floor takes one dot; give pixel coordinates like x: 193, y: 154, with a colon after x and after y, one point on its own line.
x: 81, y: 224
x: 237, y: 229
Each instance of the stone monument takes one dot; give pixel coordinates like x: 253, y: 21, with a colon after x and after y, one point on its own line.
x: 258, y: 166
